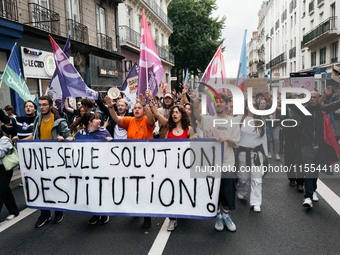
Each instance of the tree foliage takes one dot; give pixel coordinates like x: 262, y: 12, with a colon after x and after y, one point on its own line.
x: 196, y: 35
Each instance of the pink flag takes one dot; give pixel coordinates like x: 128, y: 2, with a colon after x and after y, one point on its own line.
x: 214, y: 76
x: 150, y: 66
x: 215, y: 70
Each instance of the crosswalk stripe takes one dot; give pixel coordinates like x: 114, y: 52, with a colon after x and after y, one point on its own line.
x: 23, y: 214
x: 331, y: 198
x: 161, y: 239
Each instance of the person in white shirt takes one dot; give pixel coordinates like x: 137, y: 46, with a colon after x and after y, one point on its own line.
x: 251, y: 156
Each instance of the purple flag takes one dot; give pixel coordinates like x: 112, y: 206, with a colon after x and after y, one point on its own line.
x: 54, y: 89
x: 130, y: 86
x: 71, y: 83
x: 150, y: 65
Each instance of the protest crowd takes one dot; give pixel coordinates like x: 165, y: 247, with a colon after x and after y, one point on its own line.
x: 177, y: 115
x: 248, y: 141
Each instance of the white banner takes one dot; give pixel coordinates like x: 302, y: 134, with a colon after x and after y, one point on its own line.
x: 124, y: 177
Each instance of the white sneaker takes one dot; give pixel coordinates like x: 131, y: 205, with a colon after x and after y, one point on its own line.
x: 278, y: 157
x: 10, y: 217
x: 229, y: 223
x: 172, y: 225
x: 315, y: 197
x: 219, y: 226
x: 269, y: 156
x: 240, y: 196
x: 307, y: 202
x: 257, y: 208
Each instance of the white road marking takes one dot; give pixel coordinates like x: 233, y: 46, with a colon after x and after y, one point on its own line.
x: 161, y: 239
x: 23, y: 214
x: 331, y: 198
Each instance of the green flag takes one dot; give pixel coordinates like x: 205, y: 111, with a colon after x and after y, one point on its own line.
x: 12, y: 76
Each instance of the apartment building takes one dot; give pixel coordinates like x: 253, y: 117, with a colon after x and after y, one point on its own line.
x: 261, y: 40
x: 130, y: 18
x: 92, y: 25
x: 252, y: 56
x: 300, y: 36
x: 320, y: 26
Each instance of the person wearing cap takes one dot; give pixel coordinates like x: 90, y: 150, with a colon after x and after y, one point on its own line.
x: 168, y: 102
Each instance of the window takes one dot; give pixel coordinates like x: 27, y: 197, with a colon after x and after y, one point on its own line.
x: 303, y: 62
x: 323, y: 56
x: 100, y: 25
x: 334, y: 56
x: 43, y: 3
x: 129, y: 17
x: 140, y: 22
x: 156, y: 37
x: 72, y: 10
x: 313, y: 58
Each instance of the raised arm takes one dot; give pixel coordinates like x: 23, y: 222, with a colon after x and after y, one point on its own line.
x: 163, y: 121
x: 67, y: 106
x: 4, y: 118
x: 147, y: 109
x: 113, y: 114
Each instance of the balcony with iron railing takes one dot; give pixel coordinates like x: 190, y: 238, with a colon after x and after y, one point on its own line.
x: 128, y: 35
x: 104, y: 42
x: 44, y: 19
x: 78, y: 31
x: 311, y: 7
x: 292, y: 53
x: 334, y: 60
x: 323, y: 31
x: 158, y: 10
x: 9, y: 9
x: 165, y: 54
x: 278, y: 60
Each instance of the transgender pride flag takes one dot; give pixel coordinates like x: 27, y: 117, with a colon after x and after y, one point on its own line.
x: 242, y: 69
x: 150, y: 66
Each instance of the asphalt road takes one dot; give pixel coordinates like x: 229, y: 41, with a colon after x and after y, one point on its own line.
x: 283, y: 227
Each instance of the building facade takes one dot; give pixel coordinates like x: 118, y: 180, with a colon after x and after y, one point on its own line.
x: 92, y: 26
x: 253, y: 56
x: 130, y: 19
x: 298, y: 36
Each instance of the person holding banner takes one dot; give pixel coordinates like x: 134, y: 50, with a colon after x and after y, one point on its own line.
x: 6, y: 195
x: 178, y: 126
x: 49, y: 126
x: 93, y: 130
x: 140, y: 126
x: 230, y: 136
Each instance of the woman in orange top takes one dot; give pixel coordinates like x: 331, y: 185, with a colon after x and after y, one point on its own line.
x: 138, y: 127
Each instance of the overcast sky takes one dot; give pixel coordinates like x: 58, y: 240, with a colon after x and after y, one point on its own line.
x: 241, y: 15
